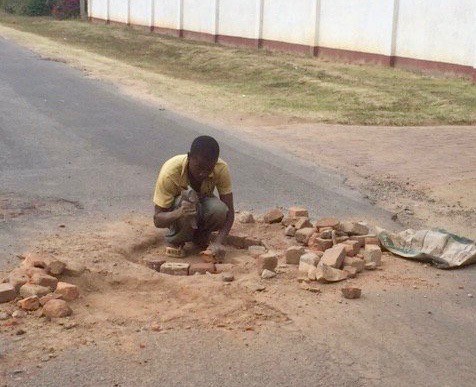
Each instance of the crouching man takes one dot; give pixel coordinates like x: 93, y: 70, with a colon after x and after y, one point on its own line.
x: 185, y: 202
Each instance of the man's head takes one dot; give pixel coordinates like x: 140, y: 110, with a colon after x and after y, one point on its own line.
x: 202, y: 157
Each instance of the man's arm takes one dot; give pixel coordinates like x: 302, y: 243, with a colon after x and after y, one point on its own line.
x: 230, y: 218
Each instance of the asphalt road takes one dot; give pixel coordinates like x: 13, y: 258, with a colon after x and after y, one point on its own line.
x: 73, y: 149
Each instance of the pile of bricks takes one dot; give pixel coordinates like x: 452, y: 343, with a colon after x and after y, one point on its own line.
x: 326, y: 250
x: 35, y: 286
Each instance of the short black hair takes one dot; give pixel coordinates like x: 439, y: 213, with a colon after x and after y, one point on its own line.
x: 206, y: 147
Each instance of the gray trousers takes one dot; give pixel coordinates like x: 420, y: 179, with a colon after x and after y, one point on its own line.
x: 211, y: 216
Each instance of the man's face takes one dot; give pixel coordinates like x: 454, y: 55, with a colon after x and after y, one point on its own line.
x: 199, y: 167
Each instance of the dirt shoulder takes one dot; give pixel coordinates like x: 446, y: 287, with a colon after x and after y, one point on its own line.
x: 425, y: 175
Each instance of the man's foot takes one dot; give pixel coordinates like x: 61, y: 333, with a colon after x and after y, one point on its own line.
x: 175, y: 251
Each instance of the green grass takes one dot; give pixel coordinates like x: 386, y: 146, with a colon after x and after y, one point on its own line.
x: 303, y: 88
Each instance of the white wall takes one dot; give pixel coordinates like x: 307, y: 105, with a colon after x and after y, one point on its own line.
x: 239, y: 18
x: 199, y: 15
x: 289, y: 21
x: 167, y: 14
x: 437, y: 30
x: 140, y: 12
x: 433, y: 30
x: 359, y: 25
x: 117, y: 10
x: 99, y: 9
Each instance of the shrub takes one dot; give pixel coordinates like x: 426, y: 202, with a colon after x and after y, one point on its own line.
x: 64, y: 9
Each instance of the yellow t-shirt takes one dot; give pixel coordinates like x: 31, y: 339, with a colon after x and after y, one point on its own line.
x: 173, y: 178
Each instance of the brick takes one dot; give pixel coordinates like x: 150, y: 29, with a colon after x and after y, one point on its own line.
x: 28, y: 290
x: 320, y: 243
x: 7, y: 292
x: 175, y: 268
x: 236, y: 240
x: 326, y: 234
x: 306, y: 261
x: 50, y: 296
x: 256, y: 251
x: 287, y: 221
x: 330, y: 274
x: 154, y: 263
x: 57, y: 308
x: 302, y: 223
x: 353, y: 228
x: 18, y: 277
x: 268, y: 274
x: 372, y: 240
x: 69, y: 292
x: 303, y: 235
x: 29, y: 303
x: 224, y: 267
x: 44, y: 280
x: 74, y: 269
x: 290, y: 231
x: 296, y: 212
x: 201, y: 268
x: 326, y: 222
x: 333, y: 257
x: 55, y: 267
x: 351, y: 271
x: 267, y: 261
x: 372, y: 253
x: 351, y: 293
x: 34, y: 260
x: 358, y: 263
x: 354, y: 247
x: 245, y: 217
x: 359, y: 238
x: 273, y: 216
x: 293, y: 254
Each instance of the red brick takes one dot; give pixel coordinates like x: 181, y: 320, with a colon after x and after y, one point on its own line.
x: 29, y: 303
x: 57, y: 308
x: 44, y: 280
x: 320, y: 244
x: 296, y: 212
x: 333, y: 257
x: 7, y: 292
x: 201, y: 268
x: 69, y: 292
x: 267, y: 261
x: 326, y: 222
x: 302, y: 223
x: 175, y: 268
x: 273, y: 216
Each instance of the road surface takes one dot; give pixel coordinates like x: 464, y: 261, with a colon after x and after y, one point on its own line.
x: 73, y: 149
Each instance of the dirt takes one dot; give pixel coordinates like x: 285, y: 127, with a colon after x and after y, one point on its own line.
x: 121, y: 296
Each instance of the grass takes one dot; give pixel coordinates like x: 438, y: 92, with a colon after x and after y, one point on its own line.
x: 248, y: 81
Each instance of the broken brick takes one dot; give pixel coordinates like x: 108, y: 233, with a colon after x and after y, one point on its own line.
x: 326, y: 222
x: 358, y: 263
x: 201, y: 268
x: 351, y: 293
x: 57, y: 308
x: 297, y: 212
x: 28, y: 290
x: 18, y: 277
x: 55, y: 267
x: 50, y: 296
x: 353, y: 228
x: 372, y: 253
x: 44, y: 280
x: 7, y: 292
x: 245, y: 217
x: 69, y: 292
x: 29, y: 303
x: 306, y: 261
x: 267, y: 261
x: 268, y: 274
x: 333, y: 257
x: 330, y: 274
x: 175, y: 268
x: 273, y: 216
x: 290, y: 231
x: 293, y: 254
x: 320, y: 243
x: 351, y: 271
x: 354, y: 247
x: 302, y: 223
x: 303, y: 235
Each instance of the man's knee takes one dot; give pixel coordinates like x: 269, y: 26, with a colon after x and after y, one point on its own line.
x: 215, y: 212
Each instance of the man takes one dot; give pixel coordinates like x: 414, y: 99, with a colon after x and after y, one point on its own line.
x: 201, y: 170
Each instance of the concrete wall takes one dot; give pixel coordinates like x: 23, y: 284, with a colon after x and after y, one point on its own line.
x: 358, y: 25
x: 140, y: 12
x: 289, y: 21
x: 167, y: 14
x: 421, y: 33
x: 199, y: 16
x: 239, y: 18
x: 118, y: 10
x: 437, y: 30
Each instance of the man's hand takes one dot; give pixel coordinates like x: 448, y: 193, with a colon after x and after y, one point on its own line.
x: 214, y: 253
x: 187, y: 209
